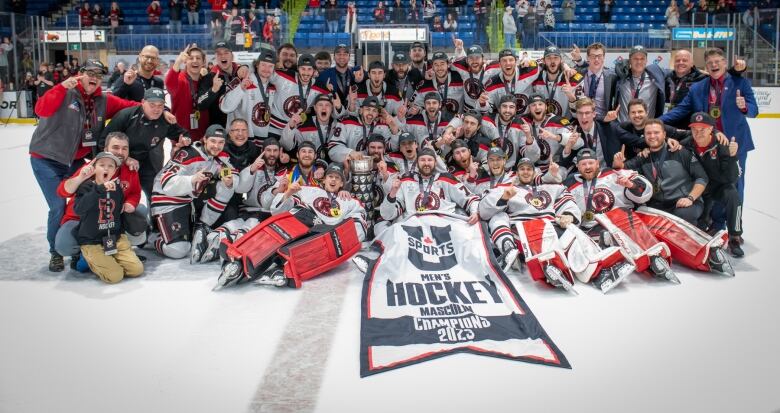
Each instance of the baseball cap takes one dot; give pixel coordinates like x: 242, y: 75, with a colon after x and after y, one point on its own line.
x: 702, y: 119
x: 525, y: 161
x: 221, y: 45
x: 417, y: 44
x: 307, y: 144
x: 496, y: 151
x: 215, y: 131
x: 432, y: 96
x: 536, y: 98
x: 271, y: 142
x: 108, y: 155
x: 426, y: 152
x: 375, y: 137
x: 458, y: 143
x: 505, y: 53
x: 266, y: 55
x: 439, y: 56
x: 370, y: 102
x: 401, y: 58
x: 306, y: 60
x: 406, y: 137
x: 552, y: 51
x: 474, y: 50
x: 586, y: 153
x: 341, y: 48
x: 154, y: 94
x: 92, y: 64
x: 335, y: 169
x: 506, y: 99
x: 637, y: 49
x: 323, y: 97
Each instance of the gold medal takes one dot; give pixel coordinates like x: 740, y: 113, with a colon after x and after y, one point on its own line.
x: 536, y: 202
x: 224, y: 172
x: 715, y: 112
x: 197, y: 114
x: 335, y: 212
x: 303, y: 117
x: 421, y: 209
x: 588, y: 216
x: 267, y: 116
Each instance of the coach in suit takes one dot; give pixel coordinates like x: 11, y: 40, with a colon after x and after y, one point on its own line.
x: 729, y: 99
x: 599, y: 83
x: 638, y: 80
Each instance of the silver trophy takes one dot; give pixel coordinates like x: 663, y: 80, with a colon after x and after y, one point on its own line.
x: 362, y: 180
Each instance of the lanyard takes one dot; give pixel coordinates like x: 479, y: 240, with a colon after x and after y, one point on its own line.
x: 407, y: 168
x: 343, y: 81
x: 370, y: 131
x: 638, y: 87
x: 506, y: 86
x: 503, y: 131
x: 425, y: 191
x: 676, y: 89
x: 267, y: 177
x: 297, y: 175
x: 433, y: 127
x: 442, y: 88
x: 657, y: 169
x: 500, y: 179
x: 263, y: 90
x: 193, y: 92
x: 481, y: 75
x: 324, y: 140
x: 304, y: 98
x: 717, y: 90
x: 551, y: 93
x: 589, y: 190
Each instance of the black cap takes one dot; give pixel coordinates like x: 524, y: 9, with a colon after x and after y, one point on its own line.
x: 458, y: 143
x: 271, y: 142
x: 637, y: 49
x: 323, y: 97
x: 536, y: 98
x: 432, y: 96
x: 375, y: 137
x: 335, y: 168
x: 266, y: 55
x: 154, y: 94
x: 506, y: 99
x: 307, y: 144
x: 702, y: 119
x: 426, y: 152
x: 306, y: 60
x: 439, y: 56
x: 552, y: 51
x: 377, y: 64
x: 474, y: 114
x: 525, y: 161
x: 221, y: 45
x: 370, y: 102
x: 108, y: 155
x: 215, y: 131
x: 417, y: 44
x: 586, y: 153
x: 505, y: 53
x: 406, y: 137
x: 401, y: 58
x: 341, y: 48
x: 93, y: 64
x: 474, y: 50
x: 496, y: 151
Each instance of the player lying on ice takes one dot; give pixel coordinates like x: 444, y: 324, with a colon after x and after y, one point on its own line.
x: 312, y: 230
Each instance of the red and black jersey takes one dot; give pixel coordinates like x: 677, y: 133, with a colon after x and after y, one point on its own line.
x: 100, y: 212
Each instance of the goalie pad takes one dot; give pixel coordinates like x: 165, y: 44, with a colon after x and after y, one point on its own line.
x: 174, y: 225
x: 688, y: 244
x: 633, y: 237
x: 324, y: 249
x: 258, y: 247
x: 540, y: 245
x: 586, y: 259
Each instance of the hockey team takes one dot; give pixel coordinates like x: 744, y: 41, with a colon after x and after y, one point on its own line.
x: 281, y: 172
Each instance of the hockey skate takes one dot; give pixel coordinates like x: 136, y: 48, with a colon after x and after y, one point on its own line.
x: 719, y: 262
x: 610, y: 277
x: 660, y: 269
x: 555, y: 277
x: 273, y: 277
x: 231, y: 274
x: 199, y: 243
x: 361, y: 263
x: 212, y: 249
x: 507, y: 259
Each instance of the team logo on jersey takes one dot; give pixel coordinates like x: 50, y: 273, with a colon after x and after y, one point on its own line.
x: 292, y: 105
x: 124, y: 185
x: 176, y: 226
x: 154, y: 141
x: 377, y: 194
x: 434, y: 252
x: 264, y: 187
x: 508, y: 146
x: 539, y: 199
x: 521, y: 103
x: 361, y: 145
x: 473, y: 88
x: 603, y: 200
x: 75, y: 105
x: 261, y: 116
x: 180, y: 156
x: 432, y: 202
x: 544, y: 148
x: 327, y: 207
x: 451, y: 105
x: 554, y: 107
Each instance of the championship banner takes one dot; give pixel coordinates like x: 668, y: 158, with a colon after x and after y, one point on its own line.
x: 436, y: 289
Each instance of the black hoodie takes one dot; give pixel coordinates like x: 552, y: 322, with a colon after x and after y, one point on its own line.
x: 100, y: 212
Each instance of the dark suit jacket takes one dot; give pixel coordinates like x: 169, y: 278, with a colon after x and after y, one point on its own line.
x: 612, y: 137
x: 610, y: 85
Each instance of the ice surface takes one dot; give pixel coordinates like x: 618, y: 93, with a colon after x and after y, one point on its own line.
x: 167, y: 343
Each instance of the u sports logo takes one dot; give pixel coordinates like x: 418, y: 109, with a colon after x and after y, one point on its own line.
x: 431, y: 252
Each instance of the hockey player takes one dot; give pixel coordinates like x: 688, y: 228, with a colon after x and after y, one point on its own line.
x: 376, y: 86
x: 495, y: 175
x: 555, y: 85
x: 476, y: 73
x: 428, y: 190
x: 471, y: 132
x: 607, y: 198
x: 462, y: 164
x: 321, y: 231
x: 384, y: 170
x: 295, y: 93
x: 197, y: 177
x: 406, y: 158
x: 552, y: 133
x: 404, y: 79
x: 513, y: 80
x: 309, y: 170
x: 513, y: 135
x: 429, y: 125
x: 446, y: 82
x: 350, y: 134
x: 251, y: 97
x: 317, y: 129
x: 215, y: 84
x: 545, y: 218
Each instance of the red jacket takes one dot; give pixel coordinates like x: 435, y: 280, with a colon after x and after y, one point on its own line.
x: 86, y: 17
x: 154, y: 14
x: 184, y: 92
x: 131, y: 187
x: 268, y: 32
x: 218, y: 5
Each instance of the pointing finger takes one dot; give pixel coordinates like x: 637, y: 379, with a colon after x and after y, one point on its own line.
x: 623, y: 150
x: 739, y: 93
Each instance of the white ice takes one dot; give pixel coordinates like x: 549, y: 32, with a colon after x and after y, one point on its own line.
x: 167, y: 343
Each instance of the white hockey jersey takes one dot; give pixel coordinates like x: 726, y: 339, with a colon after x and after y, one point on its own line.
x: 252, y: 104
x: 530, y: 202
x: 440, y: 192
x: 258, y: 187
x: 603, y: 194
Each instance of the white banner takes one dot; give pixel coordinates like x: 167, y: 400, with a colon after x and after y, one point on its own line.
x: 11, y: 107
x: 437, y: 289
x: 74, y: 36
x: 768, y: 100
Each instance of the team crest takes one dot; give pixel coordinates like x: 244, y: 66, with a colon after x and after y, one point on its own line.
x: 124, y: 185
x: 327, y: 207
x: 539, y: 199
x: 154, y: 141
x: 433, y: 202
x: 261, y: 116
x: 473, y: 88
x: 603, y: 200
x: 508, y: 146
x: 521, y: 103
x: 176, y: 226
x: 292, y: 105
x: 452, y: 105
x: 544, y: 149
x: 554, y: 107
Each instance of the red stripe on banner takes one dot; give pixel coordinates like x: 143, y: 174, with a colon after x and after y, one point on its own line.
x: 370, y: 283
x: 495, y: 270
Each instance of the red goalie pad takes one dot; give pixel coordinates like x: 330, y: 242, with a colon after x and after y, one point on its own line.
x: 258, y: 246
x: 540, y: 246
x: 318, y: 253
x: 633, y: 237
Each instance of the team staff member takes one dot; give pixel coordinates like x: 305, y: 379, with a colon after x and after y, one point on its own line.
x: 183, y: 87
x: 600, y: 83
x: 678, y: 178
x: 72, y: 115
x: 134, y: 83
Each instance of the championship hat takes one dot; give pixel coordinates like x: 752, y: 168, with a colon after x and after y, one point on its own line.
x: 702, y: 119
x: 215, y: 131
x: 585, y: 154
x: 335, y: 168
x: 496, y: 151
x: 154, y: 94
x: 108, y: 155
x: 406, y: 137
x: 306, y: 60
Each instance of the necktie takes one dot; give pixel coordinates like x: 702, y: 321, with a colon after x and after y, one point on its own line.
x: 591, y: 141
x: 593, y: 86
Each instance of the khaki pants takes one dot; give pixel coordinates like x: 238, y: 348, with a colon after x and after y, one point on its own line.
x: 113, y: 268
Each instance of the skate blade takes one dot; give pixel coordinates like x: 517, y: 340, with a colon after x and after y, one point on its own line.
x: 229, y: 276
x: 360, y: 263
x: 672, y: 277
x: 565, y: 284
x: 510, y: 260
x: 622, y: 272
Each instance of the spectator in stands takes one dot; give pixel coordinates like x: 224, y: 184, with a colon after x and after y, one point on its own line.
x: 19, y: 6
x: 85, y: 14
x: 437, y: 25
x: 57, y: 73
x: 65, y: 74
x: 314, y: 6
x: 672, y: 15
x: 332, y: 15
x: 605, y: 10
x: 415, y: 15
x: 234, y: 25
x: 97, y: 15
x: 703, y: 6
x: 27, y: 63
x: 217, y: 6
x: 540, y: 9
x: 255, y: 29
x: 529, y: 30
x: 119, y: 71
x: 429, y: 10
x: 252, y: 8
x: 397, y: 12
x: 45, y: 80
x: 549, y: 18
x: 154, y: 11
x: 569, y: 7
x: 350, y: 25
x: 268, y: 29
x: 193, y: 11
x: 686, y: 13
x: 266, y: 4
x: 115, y: 15
x: 322, y: 61
x: 480, y: 11
x: 380, y: 12
x: 450, y: 25
x: 175, y: 7
x: 510, y: 30
x: 521, y: 10
x: 450, y: 6
x: 74, y: 64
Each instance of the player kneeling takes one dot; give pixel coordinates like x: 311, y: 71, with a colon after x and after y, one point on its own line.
x: 99, y: 204
x: 312, y: 230
x: 544, y: 218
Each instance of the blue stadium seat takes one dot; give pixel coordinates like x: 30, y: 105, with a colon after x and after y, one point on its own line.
x: 329, y: 40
